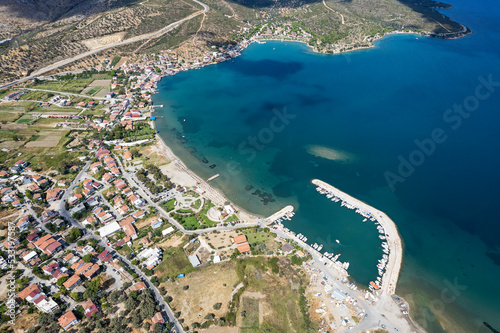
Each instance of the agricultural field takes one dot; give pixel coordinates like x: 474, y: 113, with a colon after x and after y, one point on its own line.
x: 49, y: 139
x: 8, y: 116
x: 72, y: 86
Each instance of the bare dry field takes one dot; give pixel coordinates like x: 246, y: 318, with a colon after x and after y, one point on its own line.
x: 221, y: 240
x: 218, y: 329
x: 173, y: 241
x: 11, y: 144
x: 95, y: 43
x: 24, y: 321
x: 100, y: 83
x: 145, y: 222
x: 208, y: 286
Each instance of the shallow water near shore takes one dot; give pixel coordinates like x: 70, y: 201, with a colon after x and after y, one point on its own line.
x: 257, y: 118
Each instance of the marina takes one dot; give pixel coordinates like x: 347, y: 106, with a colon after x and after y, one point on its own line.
x: 390, y: 263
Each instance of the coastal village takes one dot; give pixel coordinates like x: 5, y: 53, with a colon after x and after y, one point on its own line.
x: 121, y: 224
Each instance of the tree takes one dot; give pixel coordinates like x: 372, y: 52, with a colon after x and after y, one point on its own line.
x: 157, y: 328
x: 88, y: 257
x: 74, y: 234
x: 76, y: 296
x: 60, y: 281
x: 217, y: 306
x: 130, y: 304
x: 147, y: 308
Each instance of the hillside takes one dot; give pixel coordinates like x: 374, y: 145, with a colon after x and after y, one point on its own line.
x: 43, y: 32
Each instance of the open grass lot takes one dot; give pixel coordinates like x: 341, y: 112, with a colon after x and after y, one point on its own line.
x: 256, y: 237
x: 52, y: 122
x: 169, y: 205
x: 93, y: 112
x: 250, y: 309
x: 174, y: 262
x: 207, y: 286
x: 26, y: 119
x: 16, y: 107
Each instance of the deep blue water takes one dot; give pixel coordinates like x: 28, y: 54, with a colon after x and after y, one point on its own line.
x: 369, y: 107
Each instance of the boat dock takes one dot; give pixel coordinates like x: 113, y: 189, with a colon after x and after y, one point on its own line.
x: 392, y: 241
x: 285, y: 212
x: 213, y: 177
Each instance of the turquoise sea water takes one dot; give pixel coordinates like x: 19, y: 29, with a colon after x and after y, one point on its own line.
x: 351, y: 118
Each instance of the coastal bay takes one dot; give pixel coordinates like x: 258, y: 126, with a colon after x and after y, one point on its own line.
x: 372, y: 104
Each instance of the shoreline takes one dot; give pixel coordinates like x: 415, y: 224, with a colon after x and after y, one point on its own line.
x: 213, y: 194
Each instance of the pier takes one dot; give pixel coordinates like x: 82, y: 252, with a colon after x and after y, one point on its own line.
x: 213, y: 177
x: 392, y: 238
x: 286, y: 211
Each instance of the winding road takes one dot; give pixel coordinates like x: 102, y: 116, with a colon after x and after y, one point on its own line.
x: 125, y: 42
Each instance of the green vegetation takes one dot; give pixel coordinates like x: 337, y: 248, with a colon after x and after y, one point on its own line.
x: 169, y: 205
x: 73, y: 86
x: 115, y: 61
x: 189, y: 221
x: 256, y: 236
x: 249, y: 313
x: 289, y: 305
x: 174, y: 262
x: 94, y: 90
x: 26, y: 119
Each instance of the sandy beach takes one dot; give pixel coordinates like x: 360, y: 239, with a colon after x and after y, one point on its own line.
x: 181, y: 174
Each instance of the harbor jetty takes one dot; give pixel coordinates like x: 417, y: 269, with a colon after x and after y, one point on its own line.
x: 392, y: 244
x: 284, y: 212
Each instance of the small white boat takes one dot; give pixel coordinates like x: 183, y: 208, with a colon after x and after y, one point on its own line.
x: 338, y: 242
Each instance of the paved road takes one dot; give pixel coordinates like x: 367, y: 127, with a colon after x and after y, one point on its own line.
x: 177, y: 326
x: 125, y: 42
x: 372, y: 321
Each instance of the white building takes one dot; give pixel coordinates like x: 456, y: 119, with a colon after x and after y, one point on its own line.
x: 167, y: 231
x: 109, y: 229
x: 194, y: 260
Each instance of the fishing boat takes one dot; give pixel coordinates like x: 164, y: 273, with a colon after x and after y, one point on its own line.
x: 315, y: 246
x: 320, y: 247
